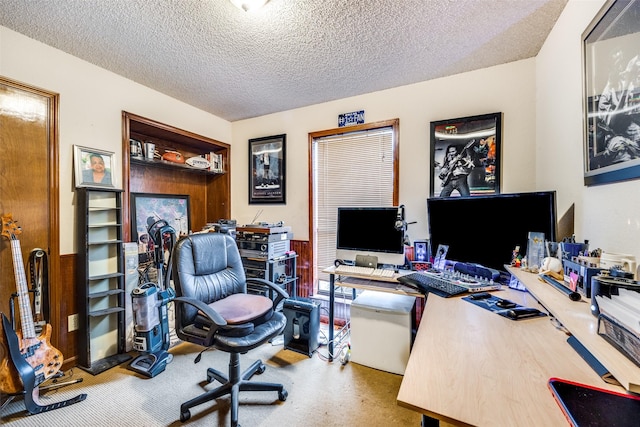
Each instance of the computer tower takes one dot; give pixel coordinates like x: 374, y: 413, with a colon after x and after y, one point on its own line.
x: 303, y: 325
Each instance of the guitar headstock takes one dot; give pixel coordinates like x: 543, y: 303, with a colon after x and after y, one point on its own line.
x: 10, y: 228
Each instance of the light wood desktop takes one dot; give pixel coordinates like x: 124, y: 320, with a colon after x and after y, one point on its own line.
x: 470, y: 366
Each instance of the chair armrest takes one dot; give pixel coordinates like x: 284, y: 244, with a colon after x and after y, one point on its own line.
x: 281, y: 293
x: 216, y: 320
x: 209, y: 312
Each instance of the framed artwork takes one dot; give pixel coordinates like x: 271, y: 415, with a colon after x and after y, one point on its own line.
x: 465, y: 156
x: 93, y: 167
x: 267, y: 170
x: 611, y: 77
x: 422, y: 250
x: 146, y: 209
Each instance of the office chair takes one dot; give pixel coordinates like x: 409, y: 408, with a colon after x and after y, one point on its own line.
x: 213, y: 309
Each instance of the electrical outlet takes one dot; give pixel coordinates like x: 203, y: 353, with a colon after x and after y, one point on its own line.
x: 72, y: 322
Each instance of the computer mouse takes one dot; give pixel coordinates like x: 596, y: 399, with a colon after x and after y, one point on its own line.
x: 480, y: 295
x: 522, y: 312
x: 503, y: 303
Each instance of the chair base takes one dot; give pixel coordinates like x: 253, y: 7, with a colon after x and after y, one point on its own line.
x: 233, y: 385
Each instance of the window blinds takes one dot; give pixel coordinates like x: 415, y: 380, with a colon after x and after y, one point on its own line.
x: 352, y: 169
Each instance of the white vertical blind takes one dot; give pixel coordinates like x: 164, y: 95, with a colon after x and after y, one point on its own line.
x: 351, y: 169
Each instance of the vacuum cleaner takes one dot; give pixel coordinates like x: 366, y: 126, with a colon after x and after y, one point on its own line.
x: 149, y: 302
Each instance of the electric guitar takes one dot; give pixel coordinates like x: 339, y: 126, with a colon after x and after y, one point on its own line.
x: 447, y: 171
x: 45, y: 360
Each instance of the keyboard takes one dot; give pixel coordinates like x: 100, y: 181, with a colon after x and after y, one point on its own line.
x: 364, y: 271
x: 428, y: 283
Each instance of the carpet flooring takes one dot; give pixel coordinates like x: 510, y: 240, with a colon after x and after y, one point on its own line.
x: 320, y: 393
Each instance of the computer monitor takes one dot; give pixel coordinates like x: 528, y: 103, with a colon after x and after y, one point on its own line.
x: 486, y: 229
x: 370, y: 231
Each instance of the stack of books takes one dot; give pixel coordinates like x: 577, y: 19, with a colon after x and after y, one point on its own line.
x: 619, y: 321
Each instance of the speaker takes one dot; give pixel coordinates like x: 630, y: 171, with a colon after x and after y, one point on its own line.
x: 303, y: 325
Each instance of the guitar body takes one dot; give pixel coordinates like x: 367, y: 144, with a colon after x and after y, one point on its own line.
x: 45, y: 360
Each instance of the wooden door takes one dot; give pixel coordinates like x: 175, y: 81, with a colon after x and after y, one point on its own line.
x: 29, y: 184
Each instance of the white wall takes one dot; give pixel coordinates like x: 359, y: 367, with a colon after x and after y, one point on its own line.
x: 506, y: 88
x: 91, y: 104
x: 607, y: 215
x: 541, y: 100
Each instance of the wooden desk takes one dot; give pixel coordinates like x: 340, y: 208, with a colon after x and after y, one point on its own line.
x: 380, y: 284
x: 470, y: 366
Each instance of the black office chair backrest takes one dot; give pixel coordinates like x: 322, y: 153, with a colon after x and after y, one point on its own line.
x: 206, y: 267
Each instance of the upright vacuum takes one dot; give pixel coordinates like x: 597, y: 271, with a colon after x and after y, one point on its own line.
x: 149, y: 301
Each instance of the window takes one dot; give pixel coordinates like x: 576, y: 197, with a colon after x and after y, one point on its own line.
x: 357, y: 166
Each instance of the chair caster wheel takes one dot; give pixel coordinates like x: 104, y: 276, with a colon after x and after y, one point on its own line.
x: 261, y: 369
x: 282, y: 395
x: 185, y: 415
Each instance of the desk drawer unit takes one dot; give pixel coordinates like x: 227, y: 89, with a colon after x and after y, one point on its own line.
x: 380, y: 331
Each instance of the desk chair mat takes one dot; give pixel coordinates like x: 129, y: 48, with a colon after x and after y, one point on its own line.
x: 490, y: 302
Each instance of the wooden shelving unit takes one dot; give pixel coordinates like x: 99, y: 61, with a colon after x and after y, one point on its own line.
x: 209, y: 191
x: 100, y: 279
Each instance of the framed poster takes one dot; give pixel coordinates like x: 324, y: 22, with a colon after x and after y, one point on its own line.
x: 147, y: 208
x: 93, y: 167
x: 611, y: 76
x: 267, y: 170
x: 465, y: 156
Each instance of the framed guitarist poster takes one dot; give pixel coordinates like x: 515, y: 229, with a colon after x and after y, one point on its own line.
x: 465, y: 156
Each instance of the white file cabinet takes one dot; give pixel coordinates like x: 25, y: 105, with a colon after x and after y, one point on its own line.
x: 381, y: 330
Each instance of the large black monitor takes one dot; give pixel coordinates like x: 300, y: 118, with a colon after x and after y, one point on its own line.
x: 486, y: 229
x: 370, y: 231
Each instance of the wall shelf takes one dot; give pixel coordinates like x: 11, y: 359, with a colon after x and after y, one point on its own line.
x: 209, y: 191
x: 171, y: 165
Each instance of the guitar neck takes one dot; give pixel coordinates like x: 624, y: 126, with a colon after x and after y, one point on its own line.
x: 26, y: 317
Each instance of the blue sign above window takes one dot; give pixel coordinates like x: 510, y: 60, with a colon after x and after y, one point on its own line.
x: 350, y: 119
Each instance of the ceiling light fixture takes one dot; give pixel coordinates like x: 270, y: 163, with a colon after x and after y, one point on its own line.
x: 249, y: 5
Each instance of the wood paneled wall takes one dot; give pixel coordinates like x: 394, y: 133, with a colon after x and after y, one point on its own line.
x: 69, y: 304
x: 305, y: 284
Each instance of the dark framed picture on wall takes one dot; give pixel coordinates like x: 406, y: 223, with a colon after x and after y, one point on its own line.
x: 611, y: 76
x: 148, y: 208
x: 267, y: 170
x: 465, y: 156
x: 93, y: 167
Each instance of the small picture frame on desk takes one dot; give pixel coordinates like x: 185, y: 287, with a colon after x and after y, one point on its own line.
x: 440, y: 259
x: 535, y: 251
x: 421, y: 250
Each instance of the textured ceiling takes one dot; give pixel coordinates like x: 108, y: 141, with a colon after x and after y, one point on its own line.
x: 291, y: 53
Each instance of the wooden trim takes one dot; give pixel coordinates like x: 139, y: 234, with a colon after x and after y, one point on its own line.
x: 214, y: 198
x: 395, y: 124
x: 53, y: 241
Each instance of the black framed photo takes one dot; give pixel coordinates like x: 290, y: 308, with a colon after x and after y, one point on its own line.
x: 147, y: 208
x: 421, y: 250
x: 267, y: 157
x: 93, y: 167
x: 465, y: 156
x: 611, y: 77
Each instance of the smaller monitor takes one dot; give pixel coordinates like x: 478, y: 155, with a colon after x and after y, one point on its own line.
x: 370, y: 231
